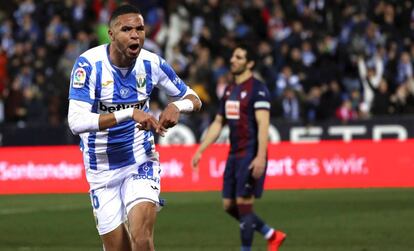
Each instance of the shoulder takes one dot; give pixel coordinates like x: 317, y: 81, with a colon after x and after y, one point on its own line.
x: 258, y: 82
x: 260, y: 85
x: 260, y: 90
x: 146, y: 55
x: 95, y: 54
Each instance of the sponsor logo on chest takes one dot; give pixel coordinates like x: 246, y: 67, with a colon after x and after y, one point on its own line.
x: 232, y: 109
x: 110, y: 108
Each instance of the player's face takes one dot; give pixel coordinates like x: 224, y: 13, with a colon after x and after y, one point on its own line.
x: 238, y: 62
x: 127, y: 34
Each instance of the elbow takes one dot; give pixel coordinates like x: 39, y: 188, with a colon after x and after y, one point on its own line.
x: 75, y: 125
x: 73, y: 128
x: 79, y: 123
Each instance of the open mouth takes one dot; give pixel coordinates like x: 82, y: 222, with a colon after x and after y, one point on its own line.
x: 134, y: 47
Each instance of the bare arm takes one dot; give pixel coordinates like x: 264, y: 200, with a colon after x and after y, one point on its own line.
x: 211, y: 136
x: 259, y: 162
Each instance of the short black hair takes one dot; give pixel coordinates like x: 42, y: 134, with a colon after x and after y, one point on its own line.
x: 250, y: 52
x: 123, y: 9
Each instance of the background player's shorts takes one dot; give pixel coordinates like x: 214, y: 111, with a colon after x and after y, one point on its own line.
x: 125, y: 188
x: 238, y: 181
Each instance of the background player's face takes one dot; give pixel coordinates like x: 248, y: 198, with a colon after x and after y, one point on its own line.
x: 238, y: 62
x: 127, y: 34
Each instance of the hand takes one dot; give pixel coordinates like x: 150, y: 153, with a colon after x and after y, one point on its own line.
x: 195, y: 160
x: 146, y: 121
x: 194, y: 164
x: 169, y: 117
x: 258, y: 167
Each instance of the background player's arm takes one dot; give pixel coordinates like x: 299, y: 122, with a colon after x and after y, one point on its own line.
x: 81, y: 119
x: 211, y: 136
x: 259, y: 162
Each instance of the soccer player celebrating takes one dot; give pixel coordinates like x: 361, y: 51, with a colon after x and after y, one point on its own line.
x: 109, y: 104
x: 245, y: 108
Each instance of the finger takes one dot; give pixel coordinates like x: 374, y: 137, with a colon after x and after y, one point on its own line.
x: 195, y: 166
x: 153, y: 122
x: 144, y: 126
x: 161, y: 120
x: 194, y: 163
x: 140, y: 126
x: 167, y: 123
x: 160, y: 130
x: 251, y: 166
x: 149, y: 123
x: 255, y: 175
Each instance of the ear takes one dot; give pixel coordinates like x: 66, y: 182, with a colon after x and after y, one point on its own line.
x: 250, y: 64
x: 111, y: 35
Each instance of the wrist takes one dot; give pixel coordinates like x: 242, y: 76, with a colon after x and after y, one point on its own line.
x: 123, y: 115
x: 184, y: 105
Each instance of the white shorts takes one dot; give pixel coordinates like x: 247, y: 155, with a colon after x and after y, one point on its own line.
x: 121, y: 190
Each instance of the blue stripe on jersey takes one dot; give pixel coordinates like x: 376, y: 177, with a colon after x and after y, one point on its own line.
x: 98, y: 86
x: 120, y: 145
x: 81, y: 146
x: 124, y: 89
x: 166, y: 68
x: 92, y: 136
x: 147, y: 144
x: 148, y: 77
x: 91, y: 151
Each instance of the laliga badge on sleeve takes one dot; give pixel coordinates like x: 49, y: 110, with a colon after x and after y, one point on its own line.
x: 79, y: 78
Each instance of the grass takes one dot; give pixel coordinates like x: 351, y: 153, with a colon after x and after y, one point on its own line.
x: 315, y: 220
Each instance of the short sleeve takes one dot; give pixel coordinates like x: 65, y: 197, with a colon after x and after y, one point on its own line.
x: 261, y: 99
x: 82, y: 81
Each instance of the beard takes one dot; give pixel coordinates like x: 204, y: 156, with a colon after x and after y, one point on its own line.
x: 237, y: 71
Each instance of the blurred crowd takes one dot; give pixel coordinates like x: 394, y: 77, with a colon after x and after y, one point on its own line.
x: 321, y: 59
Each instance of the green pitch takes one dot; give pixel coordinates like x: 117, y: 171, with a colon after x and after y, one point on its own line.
x: 315, y: 220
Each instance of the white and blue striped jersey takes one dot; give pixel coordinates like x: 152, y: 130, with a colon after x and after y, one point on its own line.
x: 107, y: 89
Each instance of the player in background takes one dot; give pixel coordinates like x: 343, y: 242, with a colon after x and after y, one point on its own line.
x: 245, y: 108
x: 109, y: 104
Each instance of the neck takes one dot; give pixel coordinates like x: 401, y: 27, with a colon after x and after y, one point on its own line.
x: 118, y: 59
x: 242, y: 77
